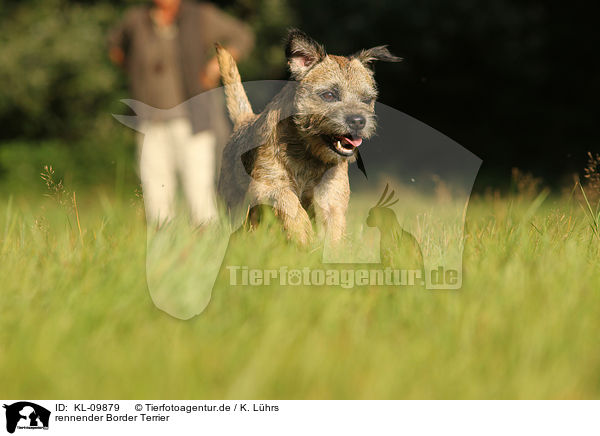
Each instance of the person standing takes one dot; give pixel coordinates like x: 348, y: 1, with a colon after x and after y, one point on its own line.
x: 166, y: 49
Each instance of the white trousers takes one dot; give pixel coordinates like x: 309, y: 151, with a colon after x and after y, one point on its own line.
x: 168, y: 149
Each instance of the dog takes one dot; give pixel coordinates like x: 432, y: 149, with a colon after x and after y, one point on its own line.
x: 297, y: 150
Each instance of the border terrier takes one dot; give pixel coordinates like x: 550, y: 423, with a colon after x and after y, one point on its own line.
x: 294, y: 155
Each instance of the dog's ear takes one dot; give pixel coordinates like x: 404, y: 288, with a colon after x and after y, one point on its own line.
x: 302, y: 52
x: 379, y: 53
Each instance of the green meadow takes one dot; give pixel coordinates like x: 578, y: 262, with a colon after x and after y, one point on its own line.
x: 77, y: 320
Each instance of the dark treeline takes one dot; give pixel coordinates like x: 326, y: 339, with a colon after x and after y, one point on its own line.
x: 516, y: 82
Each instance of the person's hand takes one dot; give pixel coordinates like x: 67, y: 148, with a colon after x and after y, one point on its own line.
x: 209, y: 77
x: 117, y: 56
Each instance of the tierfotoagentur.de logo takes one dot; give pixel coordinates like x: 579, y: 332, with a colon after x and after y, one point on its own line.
x: 24, y: 415
x: 345, y: 277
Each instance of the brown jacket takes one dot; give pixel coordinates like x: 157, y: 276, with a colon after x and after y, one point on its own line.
x: 199, y: 25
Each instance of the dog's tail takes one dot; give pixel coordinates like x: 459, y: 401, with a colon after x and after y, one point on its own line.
x: 238, y: 105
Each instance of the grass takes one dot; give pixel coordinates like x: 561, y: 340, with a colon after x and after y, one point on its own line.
x: 77, y: 321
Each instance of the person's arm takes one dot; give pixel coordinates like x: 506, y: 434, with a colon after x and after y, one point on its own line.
x: 237, y: 37
x: 118, y: 41
x: 231, y: 33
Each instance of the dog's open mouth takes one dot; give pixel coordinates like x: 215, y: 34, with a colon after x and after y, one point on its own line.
x: 345, y: 145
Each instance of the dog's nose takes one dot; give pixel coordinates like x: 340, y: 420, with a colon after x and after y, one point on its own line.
x: 356, y: 122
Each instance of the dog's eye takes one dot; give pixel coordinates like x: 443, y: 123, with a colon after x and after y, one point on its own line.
x: 368, y: 100
x: 329, y: 96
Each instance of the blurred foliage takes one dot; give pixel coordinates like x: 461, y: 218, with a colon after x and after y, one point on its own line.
x: 53, y: 65
x: 107, y: 159
x: 514, y: 82
x: 60, y: 90
x: 270, y: 20
x: 57, y: 76
x: 59, y: 87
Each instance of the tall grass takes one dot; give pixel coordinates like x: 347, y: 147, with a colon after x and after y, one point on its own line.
x: 76, y: 319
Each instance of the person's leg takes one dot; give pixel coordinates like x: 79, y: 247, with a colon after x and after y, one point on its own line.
x: 196, y: 162
x: 157, y: 171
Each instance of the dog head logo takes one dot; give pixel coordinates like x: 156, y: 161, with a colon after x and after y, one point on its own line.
x: 26, y: 415
x: 426, y: 179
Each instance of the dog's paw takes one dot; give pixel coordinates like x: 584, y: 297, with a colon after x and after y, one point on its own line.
x: 301, y: 232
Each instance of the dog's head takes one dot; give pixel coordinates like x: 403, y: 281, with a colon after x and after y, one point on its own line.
x: 335, y: 98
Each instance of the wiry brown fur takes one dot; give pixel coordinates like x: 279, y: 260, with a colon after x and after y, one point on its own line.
x: 286, y: 149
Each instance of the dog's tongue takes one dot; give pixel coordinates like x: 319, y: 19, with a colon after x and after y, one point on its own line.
x: 354, y: 142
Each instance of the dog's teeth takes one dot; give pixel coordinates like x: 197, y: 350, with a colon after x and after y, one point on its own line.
x: 339, y: 144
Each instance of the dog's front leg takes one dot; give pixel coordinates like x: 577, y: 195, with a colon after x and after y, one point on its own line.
x: 330, y: 201
x: 288, y: 208
x: 331, y: 221
x: 296, y: 221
